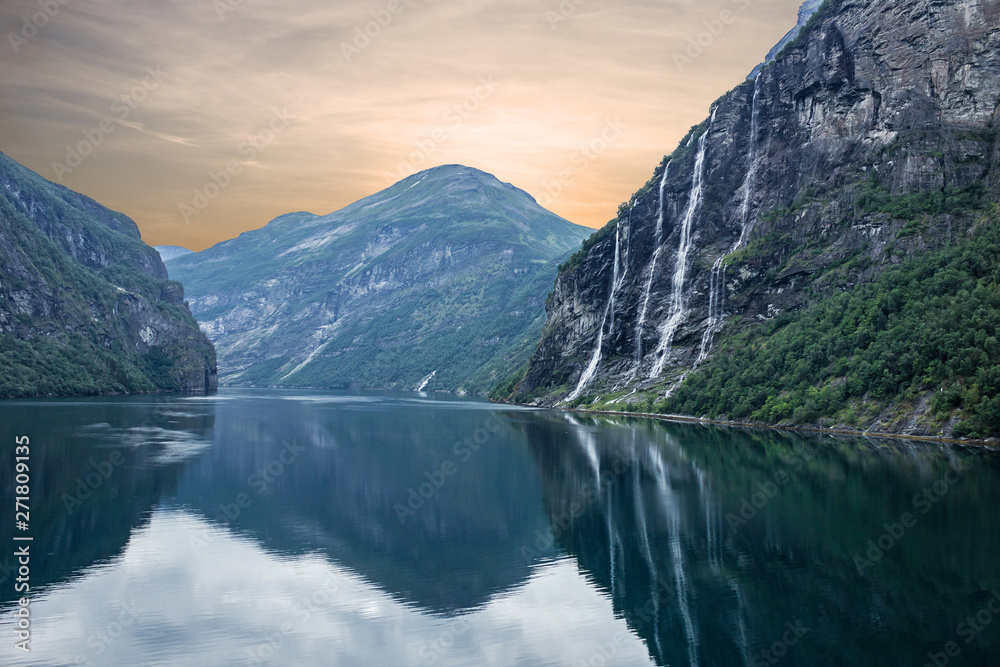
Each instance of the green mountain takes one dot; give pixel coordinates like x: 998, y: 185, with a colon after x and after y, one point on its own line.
x: 822, y: 250
x: 85, y: 305
x: 437, y: 282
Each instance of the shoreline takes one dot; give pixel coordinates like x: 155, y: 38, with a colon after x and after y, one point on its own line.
x: 680, y: 419
x: 114, y: 394
x: 685, y: 419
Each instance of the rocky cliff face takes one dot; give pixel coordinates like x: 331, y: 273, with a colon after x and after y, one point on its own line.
x: 793, y: 190
x: 436, y: 283
x: 85, y: 305
x: 806, y: 11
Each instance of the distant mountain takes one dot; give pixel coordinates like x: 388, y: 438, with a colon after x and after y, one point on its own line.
x: 436, y: 283
x: 806, y: 11
x: 85, y: 305
x: 168, y: 252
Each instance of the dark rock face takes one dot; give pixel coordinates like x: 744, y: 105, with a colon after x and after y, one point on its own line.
x: 85, y: 305
x: 757, y: 211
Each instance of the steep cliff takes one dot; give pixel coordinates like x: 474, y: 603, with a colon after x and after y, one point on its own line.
x: 870, y: 142
x: 806, y: 12
x: 85, y: 305
x: 435, y: 283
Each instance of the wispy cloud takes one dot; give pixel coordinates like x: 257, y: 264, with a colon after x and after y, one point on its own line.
x: 225, y: 76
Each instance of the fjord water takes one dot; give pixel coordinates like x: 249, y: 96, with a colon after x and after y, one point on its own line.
x: 309, y: 528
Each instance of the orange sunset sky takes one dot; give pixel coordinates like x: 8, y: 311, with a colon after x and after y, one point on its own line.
x: 203, y: 119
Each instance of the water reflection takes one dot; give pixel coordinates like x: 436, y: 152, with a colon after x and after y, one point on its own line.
x: 428, y: 499
x: 236, y: 604
x: 728, y: 548
x: 263, y: 527
x: 98, y: 467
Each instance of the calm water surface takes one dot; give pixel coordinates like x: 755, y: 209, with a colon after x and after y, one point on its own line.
x: 309, y: 528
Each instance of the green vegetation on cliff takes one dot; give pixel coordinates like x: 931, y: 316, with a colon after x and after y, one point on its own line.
x: 926, y: 328
x: 85, y: 305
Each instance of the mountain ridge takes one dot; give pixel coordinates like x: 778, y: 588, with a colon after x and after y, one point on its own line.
x: 85, y: 306
x: 416, y: 266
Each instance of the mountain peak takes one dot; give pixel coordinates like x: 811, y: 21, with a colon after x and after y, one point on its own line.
x: 454, y: 174
x: 453, y: 171
x: 439, y: 276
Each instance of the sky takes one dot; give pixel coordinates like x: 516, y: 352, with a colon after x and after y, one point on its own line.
x: 201, y: 119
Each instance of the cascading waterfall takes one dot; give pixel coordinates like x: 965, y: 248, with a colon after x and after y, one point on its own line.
x: 652, y: 273
x: 716, y: 294
x: 751, y: 180
x: 677, y: 310
x: 717, y: 288
x: 616, y: 281
x: 426, y: 381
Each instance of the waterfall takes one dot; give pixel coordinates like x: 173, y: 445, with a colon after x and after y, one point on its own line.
x: 716, y: 294
x: 652, y: 273
x: 717, y: 289
x: 618, y: 283
x: 677, y: 310
x: 595, y: 360
x: 426, y: 381
x: 751, y: 179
